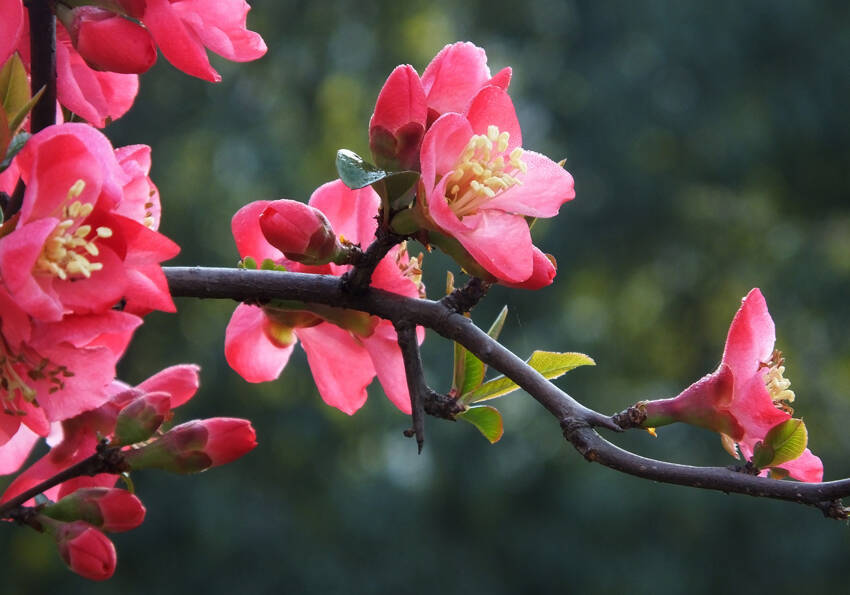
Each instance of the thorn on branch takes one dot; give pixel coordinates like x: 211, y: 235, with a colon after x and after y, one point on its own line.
x: 465, y: 298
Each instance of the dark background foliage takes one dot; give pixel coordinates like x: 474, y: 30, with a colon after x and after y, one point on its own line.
x: 710, y: 147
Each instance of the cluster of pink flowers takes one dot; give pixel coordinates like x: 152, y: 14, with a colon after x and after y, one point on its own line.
x: 101, y: 49
x: 80, y: 266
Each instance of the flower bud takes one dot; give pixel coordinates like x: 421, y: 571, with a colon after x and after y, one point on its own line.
x: 196, y: 445
x: 111, y: 509
x: 398, y: 123
x: 301, y: 232
x: 85, y: 550
x: 108, y: 41
x: 141, y: 418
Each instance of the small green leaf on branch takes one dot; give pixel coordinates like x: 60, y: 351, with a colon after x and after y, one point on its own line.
x: 784, y: 442
x: 355, y: 172
x: 550, y: 365
x: 15, y: 145
x: 487, y: 419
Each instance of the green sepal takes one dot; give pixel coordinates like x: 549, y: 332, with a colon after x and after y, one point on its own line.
x: 269, y: 265
x: 549, y: 364
x: 248, y: 263
x: 15, y: 145
x: 487, y: 419
x: 784, y: 442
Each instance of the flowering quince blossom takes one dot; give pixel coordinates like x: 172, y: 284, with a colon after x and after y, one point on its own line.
x: 407, y: 104
x: 479, y: 186
x: 184, y: 28
x: 345, y: 349
x: 76, y: 438
x: 746, y: 396
x: 51, y: 371
x: 84, y: 238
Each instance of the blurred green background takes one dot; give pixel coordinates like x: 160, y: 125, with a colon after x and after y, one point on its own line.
x: 710, y: 145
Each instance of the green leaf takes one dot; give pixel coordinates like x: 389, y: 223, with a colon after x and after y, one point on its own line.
x: 550, y: 365
x: 487, y: 419
x: 19, y: 117
x: 15, y: 146
x: 787, y: 441
x: 355, y: 172
x: 14, y: 86
x: 498, y: 324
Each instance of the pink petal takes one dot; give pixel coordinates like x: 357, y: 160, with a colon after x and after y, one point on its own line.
x: 15, y: 451
x: 180, y: 381
x: 388, y: 276
x: 248, y: 235
x: 751, y: 337
x: 147, y: 290
x: 501, y: 79
x: 97, y: 293
x: 493, y: 106
x: 341, y: 366
x: 442, y: 146
x: 499, y: 242
x: 11, y: 27
x: 179, y: 44
x: 221, y: 26
x: 248, y: 349
x: 455, y: 74
x: 544, y: 189
x: 352, y: 213
x: 401, y: 101
x: 806, y: 467
x: 383, y: 348
x: 543, y: 274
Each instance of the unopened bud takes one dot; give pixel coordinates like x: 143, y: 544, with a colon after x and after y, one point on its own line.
x: 111, y: 509
x: 141, y: 418
x: 85, y: 550
x: 108, y: 41
x: 196, y: 445
x: 301, y: 232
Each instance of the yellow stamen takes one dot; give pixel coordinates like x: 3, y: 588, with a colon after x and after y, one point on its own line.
x: 484, y: 169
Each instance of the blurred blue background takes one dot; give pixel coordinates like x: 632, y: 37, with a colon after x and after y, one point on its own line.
x: 710, y: 145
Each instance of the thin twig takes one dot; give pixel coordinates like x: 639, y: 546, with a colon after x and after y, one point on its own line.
x: 357, y: 280
x: 415, y: 377
x: 467, y: 297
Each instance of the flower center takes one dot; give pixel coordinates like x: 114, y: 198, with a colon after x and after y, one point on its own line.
x: 67, y: 251
x: 777, y: 385
x: 484, y: 169
x: 18, y: 370
x: 410, y: 267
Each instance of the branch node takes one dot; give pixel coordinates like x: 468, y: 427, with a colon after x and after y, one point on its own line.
x: 465, y: 298
x: 633, y: 417
x: 357, y: 280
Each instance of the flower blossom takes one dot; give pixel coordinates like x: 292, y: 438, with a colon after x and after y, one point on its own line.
x: 407, y: 104
x: 85, y: 237
x: 746, y: 396
x: 184, y: 28
x: 479, y: 185
x: 345, y: 349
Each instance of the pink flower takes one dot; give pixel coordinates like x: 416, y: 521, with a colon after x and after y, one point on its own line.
x: 408, y: 105
x: 79, y: 435
x: 85, y: 550
x: 480, y: 185
x: 72, y: 250
x: 107, y: 41
x: 183, y: 28
x: 746, y: 396
x: 345, y: 349
x: 111, y: 509
x: 51, y: 371
x: 196, y: 446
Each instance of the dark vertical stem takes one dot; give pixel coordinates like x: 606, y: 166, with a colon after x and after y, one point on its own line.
x: 42, y: 62
x: 415, y: 377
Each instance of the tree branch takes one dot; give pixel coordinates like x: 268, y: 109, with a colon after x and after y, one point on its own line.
x: 106, y: 459
x: 577, y: 421
x: 43, y: 62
